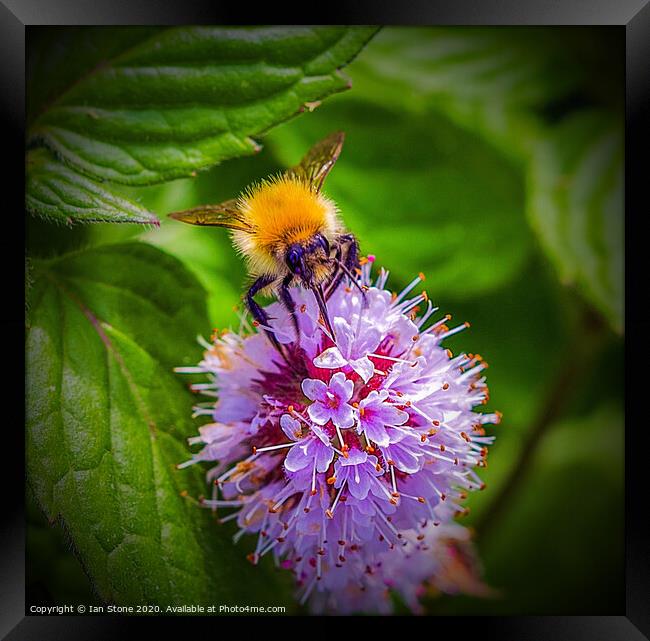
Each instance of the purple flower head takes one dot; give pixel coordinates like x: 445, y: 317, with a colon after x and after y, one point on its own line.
x: 349, y: 459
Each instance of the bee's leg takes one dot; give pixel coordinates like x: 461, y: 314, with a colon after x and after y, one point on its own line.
x: 335, y: 279
x: 322, y: 306
x: 259, y: 314
x: 349, y: 265
x: 289, y: 303
x: 352, y: 256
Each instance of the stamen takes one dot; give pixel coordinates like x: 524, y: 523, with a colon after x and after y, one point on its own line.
x: 344, y: 447
x: 336, y: 500
x: 202, y: 411
x: 184, y: 464
x: 392, y: 478
x: 453, y: 331
x: 203, y: 343
x: 189, y: 370
x: 273, y: 447
x: 352, y: 277
x: 230, y: 517
x: 434, y: 327
x: 202, y: 386
x: 407, y: 289
x: 308, y: 591
x: 185, y: 494
x: 220, y: 503
x: 407, y: 306
x: 236, y: 468
x: 388, y: 524
x: 471, y: 372
x: 430, y: 310
x: 391, y: 358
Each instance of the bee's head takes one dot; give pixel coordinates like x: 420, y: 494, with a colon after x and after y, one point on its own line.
x: 310, y: 263
x: 305, y: 260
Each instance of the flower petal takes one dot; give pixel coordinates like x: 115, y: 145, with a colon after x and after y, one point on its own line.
x: 341, y: 387
x: 291, y: 426
x: 343, y: 416
x: 299, y: 457
x: 324, y: 456
x: 314, y: 389
x: 331, y: 358
x: 375, y: 431
x: 319, y: 413
x: 364, y: 367
x: 344, y: 336
x: 368, y: 340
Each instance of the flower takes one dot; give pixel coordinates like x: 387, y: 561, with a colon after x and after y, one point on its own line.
x: 330, y: 400
x: 349, y: 458
x: 375, y: 415
x: 312, y: 450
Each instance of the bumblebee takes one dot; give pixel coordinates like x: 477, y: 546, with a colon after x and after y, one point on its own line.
x: 289, y: 233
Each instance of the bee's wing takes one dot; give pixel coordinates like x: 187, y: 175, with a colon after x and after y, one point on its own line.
x: 226, y: 214
x: 319, y: 160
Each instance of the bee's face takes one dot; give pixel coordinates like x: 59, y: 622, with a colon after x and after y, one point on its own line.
x: 294, y: 259
x: 310, y: 262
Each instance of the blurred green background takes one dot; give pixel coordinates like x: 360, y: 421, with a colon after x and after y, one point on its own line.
x: 490, y: 160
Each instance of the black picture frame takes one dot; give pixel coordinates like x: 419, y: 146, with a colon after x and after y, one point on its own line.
x: 631, y: 15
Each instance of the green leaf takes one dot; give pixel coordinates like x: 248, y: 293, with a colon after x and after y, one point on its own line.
x: 186, y: 98
x: 482, y: 79
x: 58, y: 56
x: 575, y: 203
x: 426, y: 197
x: 60, y: 194
x: 500, y: 83
x: 209, y: 255
x: 107, y: 421
x: 208, y: 252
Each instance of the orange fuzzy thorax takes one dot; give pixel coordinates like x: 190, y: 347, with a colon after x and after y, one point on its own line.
x: 281, y: 212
